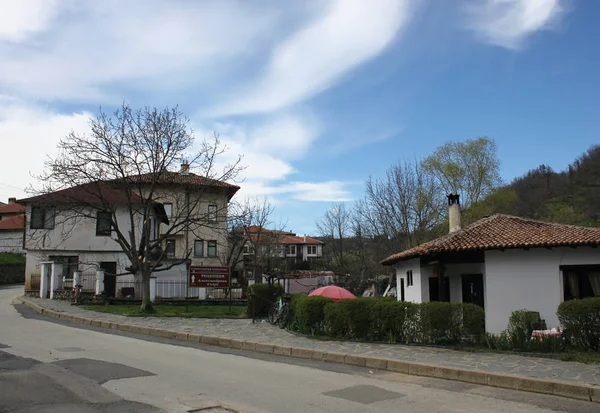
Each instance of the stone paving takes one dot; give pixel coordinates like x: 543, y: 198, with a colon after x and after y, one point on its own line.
x: 262, y: 332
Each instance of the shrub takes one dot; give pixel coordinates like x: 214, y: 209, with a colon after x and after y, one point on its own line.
x: 309, y: 314
x: 581, y: 322
x: 264, y: 296
x: 336, y: 320
x: 359, y: 313
x: 390, y: 320
x: 473, y: 322
x: 439, y: 322
x: 520, y: 325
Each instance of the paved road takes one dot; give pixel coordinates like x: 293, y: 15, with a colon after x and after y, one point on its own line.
x: 47, y: 366
x: 264, y: 333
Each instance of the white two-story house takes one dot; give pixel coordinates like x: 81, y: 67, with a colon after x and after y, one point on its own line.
x: 73, y: 229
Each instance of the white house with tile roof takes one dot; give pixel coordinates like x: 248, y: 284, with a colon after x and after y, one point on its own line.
x: 502, y: 263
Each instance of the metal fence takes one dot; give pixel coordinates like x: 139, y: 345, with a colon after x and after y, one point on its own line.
x: 88, y: 282
x: 128, y: 289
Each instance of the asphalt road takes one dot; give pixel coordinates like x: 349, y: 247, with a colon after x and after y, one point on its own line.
x: 50, y: 366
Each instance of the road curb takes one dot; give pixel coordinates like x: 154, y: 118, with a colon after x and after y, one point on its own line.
x: 506, y: 381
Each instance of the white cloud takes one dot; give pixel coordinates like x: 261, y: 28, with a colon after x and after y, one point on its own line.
x: 138, y: 44
x: 27, y: 134
x: 325, y: 191
x: 508, y: 23
x: 23, y: 18
x: 349, y: 33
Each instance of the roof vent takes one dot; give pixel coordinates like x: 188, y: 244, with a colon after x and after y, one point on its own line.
x: 12, y: 200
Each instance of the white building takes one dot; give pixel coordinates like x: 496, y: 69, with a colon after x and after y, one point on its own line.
x: 84, y: 241
x: 502, y: 263
x: 12, y: 224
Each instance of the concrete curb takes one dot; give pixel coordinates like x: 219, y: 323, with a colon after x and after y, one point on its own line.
x: 506, y: 381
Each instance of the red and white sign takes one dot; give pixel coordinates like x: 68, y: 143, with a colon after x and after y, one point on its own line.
x: 209, y: 277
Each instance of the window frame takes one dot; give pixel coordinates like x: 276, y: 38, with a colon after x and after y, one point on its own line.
x: 105, y: 232
x: 409, y: 278
x: 167, y: 253
x: 211, y: 244
x: 170, y: 212
x: 201, y: 241
x: 46, y: 214
x: 212, y: 213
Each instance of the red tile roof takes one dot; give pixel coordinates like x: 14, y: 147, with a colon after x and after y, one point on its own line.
x: 15, y: 223
x: 110, y: 191
x: 279, y: 237
x: 11, y: 209
x: 92, y: 193
x: 503, y: 232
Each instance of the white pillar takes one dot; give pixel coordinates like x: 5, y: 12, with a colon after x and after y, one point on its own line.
x: 202, y: 293
x: 152, y: 289
x: 44, y: 279
x: 76, y: 278
x: 99, y: 282
x: 57, y: 269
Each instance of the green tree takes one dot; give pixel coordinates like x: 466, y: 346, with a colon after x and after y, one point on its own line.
x: 470, y: 168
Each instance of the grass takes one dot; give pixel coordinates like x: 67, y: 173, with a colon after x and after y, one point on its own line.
x: 11, y: 259
x: 162, y: 310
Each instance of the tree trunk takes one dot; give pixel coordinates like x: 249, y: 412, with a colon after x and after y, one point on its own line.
x: 146, y: 303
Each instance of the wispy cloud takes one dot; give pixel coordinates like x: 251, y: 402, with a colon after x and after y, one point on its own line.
x: 21, y: 19
x: 348, y: 33
x: 508, y: 23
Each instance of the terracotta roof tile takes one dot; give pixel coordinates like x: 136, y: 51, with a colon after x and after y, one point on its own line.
x: 11, y: 209
x: 503, y: 232
x: 15, y: 223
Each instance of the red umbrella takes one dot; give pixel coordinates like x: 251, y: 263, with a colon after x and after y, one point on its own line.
x: 333, y: 292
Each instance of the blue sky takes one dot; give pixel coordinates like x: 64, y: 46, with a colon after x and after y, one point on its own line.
x: 317, y: 95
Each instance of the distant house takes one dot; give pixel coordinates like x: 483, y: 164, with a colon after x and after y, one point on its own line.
x: 12, y: 225
x: 283, y: 244
x: 502, y: 263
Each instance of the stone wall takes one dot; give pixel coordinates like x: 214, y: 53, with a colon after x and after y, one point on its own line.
x: 12, y: 274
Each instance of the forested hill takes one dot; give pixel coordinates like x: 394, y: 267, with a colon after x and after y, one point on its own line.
x: 571, y: 196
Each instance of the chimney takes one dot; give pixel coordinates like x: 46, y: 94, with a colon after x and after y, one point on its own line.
x: 12, y: 200
x: 305, y: 238
x: 454, y: 211
x: 185, y: 168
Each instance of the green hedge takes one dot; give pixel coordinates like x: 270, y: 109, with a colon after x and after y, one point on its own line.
x: 581, y: 322
x: 308, y: 313
x: 371, y: 319
x: 264, y: 296
x: 12, y: 274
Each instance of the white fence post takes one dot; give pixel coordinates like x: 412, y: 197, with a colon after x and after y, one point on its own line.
x: 44, y: 279
x: 99, y: 282
x: 152, y: 289
x: 57, y: 269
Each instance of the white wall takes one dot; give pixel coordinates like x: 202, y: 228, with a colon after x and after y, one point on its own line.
x: 520, y: 279
x: 455, y: 272
x: 11, y: 242
x: 411, y: 293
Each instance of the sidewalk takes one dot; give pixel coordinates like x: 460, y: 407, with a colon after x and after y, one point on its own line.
x: 568, y: 379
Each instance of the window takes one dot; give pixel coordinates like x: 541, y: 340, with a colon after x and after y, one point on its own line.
x: 409, y: 278
x: 312, y: 250
x: 290, y: 250
x: 168, y: 209
x: 41, y: 218
x: 170, y: 248
x: 103, y: 223
x: 211, y: 249
x: 212, y: 213
x: 199, y: 248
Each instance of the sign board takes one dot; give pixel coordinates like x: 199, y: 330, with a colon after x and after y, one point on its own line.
x: 209, y: 277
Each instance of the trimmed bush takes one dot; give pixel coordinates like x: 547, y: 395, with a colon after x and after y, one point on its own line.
x: 390, y: 320
x: 309, y: 313
x: 264, y: 296
x: 581, y: 322
x: 520, y: 326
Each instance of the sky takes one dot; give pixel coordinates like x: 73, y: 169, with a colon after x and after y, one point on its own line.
x: 316, y: 95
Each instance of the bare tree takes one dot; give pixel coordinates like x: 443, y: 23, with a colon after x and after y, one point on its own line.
x: 398, y: 211
x: 123, y: 170
x: 335, y: 227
